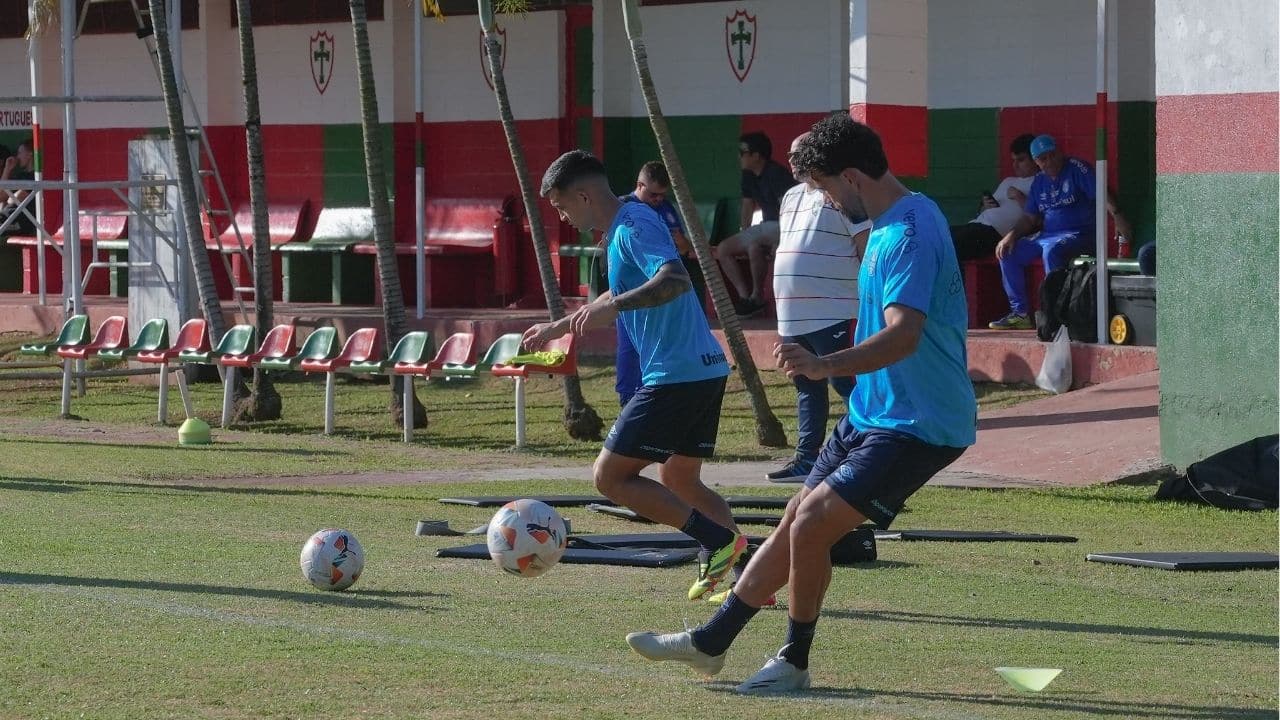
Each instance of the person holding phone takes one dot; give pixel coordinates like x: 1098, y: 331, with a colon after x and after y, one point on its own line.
x: 999, y: 210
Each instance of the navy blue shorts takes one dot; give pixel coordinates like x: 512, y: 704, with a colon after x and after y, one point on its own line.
x: 664, y: 420
x: 877, y: 470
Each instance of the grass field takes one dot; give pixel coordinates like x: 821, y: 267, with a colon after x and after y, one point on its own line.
x: 132, y: 593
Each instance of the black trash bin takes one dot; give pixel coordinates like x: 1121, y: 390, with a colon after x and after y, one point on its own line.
x: 1133, y: 302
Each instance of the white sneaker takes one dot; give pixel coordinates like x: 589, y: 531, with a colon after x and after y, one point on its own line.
x: 678, y: 647
x: 777, y: 676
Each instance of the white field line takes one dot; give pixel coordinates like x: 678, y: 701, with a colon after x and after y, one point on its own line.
x: 117, y: 599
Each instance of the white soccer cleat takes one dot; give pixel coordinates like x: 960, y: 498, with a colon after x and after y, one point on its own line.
x: 678, y: 647
x: 777, y: 676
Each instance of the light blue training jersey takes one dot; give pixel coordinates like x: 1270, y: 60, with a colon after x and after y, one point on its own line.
x: 911, y: 261
x: 673, y: 340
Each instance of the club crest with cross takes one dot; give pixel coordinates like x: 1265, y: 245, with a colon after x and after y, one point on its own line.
x: 740, y: 42
x: 502, y: 54
x: 321, y: 57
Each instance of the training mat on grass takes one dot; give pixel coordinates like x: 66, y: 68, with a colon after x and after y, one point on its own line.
x: 858, y: 546
x: 644, y: 540
x: 633, y: 557
x: 629, y: 514
x: 971, y: 536
x: 1191, y: 560
x: 750, y: 501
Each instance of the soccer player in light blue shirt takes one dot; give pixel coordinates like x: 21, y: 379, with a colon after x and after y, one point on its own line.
x: 674, y: 417
x: 912, y: 411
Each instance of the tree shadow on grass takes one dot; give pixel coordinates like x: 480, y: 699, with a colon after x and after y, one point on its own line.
x: 1173, y: 634
x: 178, y: 488
x: 37, y: 485
x: 1046, y: 702
x: 1059, y: 703
x: 357, y: 599
x: 169, y: 448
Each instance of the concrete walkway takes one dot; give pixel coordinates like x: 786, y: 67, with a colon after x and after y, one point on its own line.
x: 1100, y: 434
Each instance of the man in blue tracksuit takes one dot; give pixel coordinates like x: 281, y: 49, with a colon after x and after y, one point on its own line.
x: 1061, y: 205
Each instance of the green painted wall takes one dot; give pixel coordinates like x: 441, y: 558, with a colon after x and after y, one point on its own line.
x: 963, y: 160
x: 1136, y: 158
x: 345, y: 184
x: 707, y: 144
x: 1217, y: 300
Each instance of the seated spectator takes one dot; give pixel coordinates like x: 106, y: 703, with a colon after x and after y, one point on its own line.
x: 1061, y: 206
x: 764, y: 181
x: 17, y: 167
x: 1001, y: 209
x: 653, y: 186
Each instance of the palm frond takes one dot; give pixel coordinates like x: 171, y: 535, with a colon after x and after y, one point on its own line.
x: 45, y: 18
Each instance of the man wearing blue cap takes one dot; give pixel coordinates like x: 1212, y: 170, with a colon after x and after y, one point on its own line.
x: 1061, y: 206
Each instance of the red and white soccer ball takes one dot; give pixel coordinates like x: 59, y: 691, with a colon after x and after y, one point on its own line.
x: 527, y: 537
x: 332, y: 560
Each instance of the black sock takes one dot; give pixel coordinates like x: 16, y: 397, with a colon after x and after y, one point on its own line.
x: 709, y: 535
x: 799, y: 640
x: 717, y: 634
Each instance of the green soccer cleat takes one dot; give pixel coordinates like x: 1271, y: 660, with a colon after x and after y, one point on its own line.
x: 716, y: 566
x: 1012, y: 321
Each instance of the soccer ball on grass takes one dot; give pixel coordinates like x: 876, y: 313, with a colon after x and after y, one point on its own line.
x: 526, y: 537
x: 332, y: 560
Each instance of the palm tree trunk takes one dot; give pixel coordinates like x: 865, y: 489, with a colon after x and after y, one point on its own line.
x: 208, y: 291
x: 393, y: 313
x: 580, y: 419
x: 769, y: 432
x: 265, y: 403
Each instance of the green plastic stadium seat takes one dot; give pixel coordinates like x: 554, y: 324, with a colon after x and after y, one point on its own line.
x: 75, y: 331
x: 154, y: 337
x: 502, y: 350
x: 321, y: 344
x: 411, y: 349
x: 239, y: 340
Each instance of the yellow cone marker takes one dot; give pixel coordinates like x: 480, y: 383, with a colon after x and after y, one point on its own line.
x: 194, y: 431
x: 1028, y: 679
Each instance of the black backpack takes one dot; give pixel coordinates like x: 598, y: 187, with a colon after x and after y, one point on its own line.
x: 1047, y: 320
x: 1069, y: 296
x: 1244, y: 477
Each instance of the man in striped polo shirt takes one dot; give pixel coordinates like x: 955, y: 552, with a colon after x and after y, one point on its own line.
x: 815, y: 284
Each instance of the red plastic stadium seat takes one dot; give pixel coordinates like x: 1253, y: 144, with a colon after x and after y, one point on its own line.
x: 364, y: 345
x: 191, y: 338
x: 458, y: 349
x: 278, y: 343
x: 113, y: 333
x: 567, y: 343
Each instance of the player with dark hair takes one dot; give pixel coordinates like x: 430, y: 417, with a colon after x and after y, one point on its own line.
x: 912, y: 411
x: 674, y: 417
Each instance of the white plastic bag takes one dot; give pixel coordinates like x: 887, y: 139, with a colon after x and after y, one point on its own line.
x: 1055, y: 373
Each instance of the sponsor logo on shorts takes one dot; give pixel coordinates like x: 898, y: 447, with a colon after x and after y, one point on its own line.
x: 880, y: 506
x: 613, y: 431
x: 704, y: 446
x: 651, y: 448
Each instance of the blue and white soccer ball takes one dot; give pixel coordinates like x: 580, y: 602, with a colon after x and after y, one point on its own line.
x: 332, y: 560
x: 526, y: 538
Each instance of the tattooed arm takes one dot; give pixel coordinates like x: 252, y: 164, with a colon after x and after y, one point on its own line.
x: 666, y: 285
